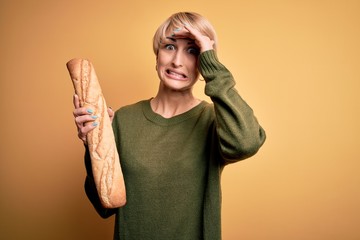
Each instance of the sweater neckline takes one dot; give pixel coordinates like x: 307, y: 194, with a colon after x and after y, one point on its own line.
x: 160, y: 120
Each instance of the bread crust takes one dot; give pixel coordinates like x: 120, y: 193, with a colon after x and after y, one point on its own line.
x: 105, y: 160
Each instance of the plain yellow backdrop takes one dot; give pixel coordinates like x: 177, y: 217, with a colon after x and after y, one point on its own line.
x: 295, y: 62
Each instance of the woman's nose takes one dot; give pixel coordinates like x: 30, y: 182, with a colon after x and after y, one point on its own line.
x: 178, y: 59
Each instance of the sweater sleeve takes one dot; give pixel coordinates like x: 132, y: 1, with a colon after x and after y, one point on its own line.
x: 239, y: 134
x: 90, y: 188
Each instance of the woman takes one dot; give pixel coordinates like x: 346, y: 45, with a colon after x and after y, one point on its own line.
x: 174, y: 146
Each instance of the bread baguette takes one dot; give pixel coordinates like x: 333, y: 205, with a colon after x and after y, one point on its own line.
x: 105, y: 160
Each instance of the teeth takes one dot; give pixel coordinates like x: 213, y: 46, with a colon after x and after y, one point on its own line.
x: 176, y: 74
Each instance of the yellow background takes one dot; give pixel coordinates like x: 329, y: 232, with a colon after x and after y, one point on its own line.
x: 296, y: 63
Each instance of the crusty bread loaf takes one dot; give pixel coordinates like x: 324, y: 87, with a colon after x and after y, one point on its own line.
x: 101, y: 142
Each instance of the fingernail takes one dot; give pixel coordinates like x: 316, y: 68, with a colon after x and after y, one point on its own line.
x: 177, y: 29
x: 89, y: 110
x: 94, y: 117
x: 95, y: 124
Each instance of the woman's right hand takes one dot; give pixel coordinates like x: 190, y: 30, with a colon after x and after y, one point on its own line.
x: 83, y: 116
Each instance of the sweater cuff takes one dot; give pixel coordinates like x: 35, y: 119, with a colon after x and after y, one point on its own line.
x: 209, y: 63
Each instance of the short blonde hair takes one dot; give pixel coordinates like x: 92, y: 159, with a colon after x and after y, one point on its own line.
x: 178, y: 20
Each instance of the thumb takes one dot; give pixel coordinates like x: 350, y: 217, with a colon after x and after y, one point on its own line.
x: 111, y: 113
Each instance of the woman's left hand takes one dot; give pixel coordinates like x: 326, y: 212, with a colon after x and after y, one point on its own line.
x: 202, y: 41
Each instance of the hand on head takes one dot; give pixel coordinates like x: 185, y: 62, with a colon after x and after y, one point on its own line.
x: 202, y: 41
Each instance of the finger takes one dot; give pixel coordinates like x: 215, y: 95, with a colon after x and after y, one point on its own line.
x: 82, y: 111
x: 111, y: 113
x: 76, y: 101
x: 83, y: 120
x: 82, y: 133
x: 78, y: 109
x: 193, y: 31
x: 180, y: 32
x: 203, y: 41
x: 86, y: 129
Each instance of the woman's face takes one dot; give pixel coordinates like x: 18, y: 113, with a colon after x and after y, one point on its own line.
x: 177, y: 63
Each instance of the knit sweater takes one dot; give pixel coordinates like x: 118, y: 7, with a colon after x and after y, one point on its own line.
x: 172, y: 166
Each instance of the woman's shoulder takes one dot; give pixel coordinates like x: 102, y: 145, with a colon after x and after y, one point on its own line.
x: 208, y: 109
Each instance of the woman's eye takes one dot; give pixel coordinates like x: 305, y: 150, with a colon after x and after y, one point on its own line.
x: 193, y: 51
x: 169, y: 47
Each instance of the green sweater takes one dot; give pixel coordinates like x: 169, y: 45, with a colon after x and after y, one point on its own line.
x: 172, y: 167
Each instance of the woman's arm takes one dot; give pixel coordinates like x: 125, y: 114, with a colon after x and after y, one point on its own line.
x: 240, y: 135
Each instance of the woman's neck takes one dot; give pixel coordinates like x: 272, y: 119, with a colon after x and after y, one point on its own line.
x: 170, y: 105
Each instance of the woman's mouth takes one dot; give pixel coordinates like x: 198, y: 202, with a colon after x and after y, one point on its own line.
x: 175, y: 75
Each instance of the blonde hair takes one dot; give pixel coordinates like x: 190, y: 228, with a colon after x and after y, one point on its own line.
x: 178, y: 20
